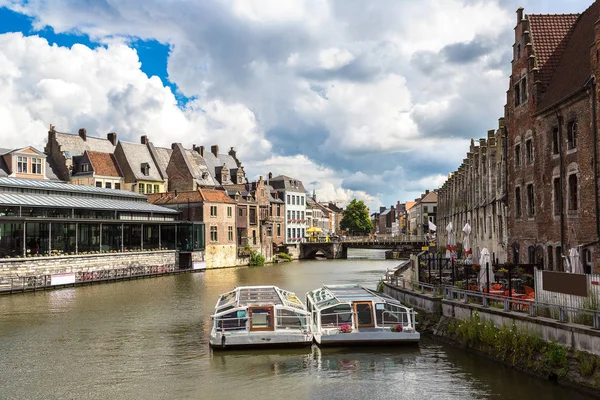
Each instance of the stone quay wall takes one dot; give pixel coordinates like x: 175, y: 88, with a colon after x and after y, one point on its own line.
x: 19, y: 267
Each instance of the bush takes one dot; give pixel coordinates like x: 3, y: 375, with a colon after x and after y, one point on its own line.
x: 256, y: 259
x: 285, y: 256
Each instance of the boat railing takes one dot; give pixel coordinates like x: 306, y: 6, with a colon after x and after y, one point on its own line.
x: 291, y: 321
x: 395, y: 318
x: 243, y: 323
x: 334, y: 320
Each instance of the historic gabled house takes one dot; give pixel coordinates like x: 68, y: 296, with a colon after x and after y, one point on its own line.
x: 423, y: 212
x: 97, y: 169
x: 292, y: 192
x: 26, y: 163
x: 187, y: 169
x: 63, y: 149
x: 476, y: 194
x: 140, y: 171
x: 552, y: 128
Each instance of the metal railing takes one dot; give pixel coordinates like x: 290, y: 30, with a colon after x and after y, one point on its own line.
x: 383, y: 239
x: 338, y: 321
x: 244, y: 323
x: 529, y: 307
x: 42, y: 282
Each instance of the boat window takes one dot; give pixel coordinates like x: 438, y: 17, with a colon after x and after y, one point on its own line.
x: 226, y: 298
x: 290, y: 319
x: 390, y: 314
x: 233, y: 321
x: 337, y: 315
x: 261, y: 318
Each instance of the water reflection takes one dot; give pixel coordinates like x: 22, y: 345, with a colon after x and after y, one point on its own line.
x: 149, y: 339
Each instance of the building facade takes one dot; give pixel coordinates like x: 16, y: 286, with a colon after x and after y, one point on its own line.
x: 552, y: 153
x: 476, y: 194
x: 292, y: 192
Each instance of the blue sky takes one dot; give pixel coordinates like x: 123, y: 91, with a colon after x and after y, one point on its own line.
x: 378, y: 103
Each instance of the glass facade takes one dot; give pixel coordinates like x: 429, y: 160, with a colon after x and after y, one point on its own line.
x: 11, y: 239
x: 44, y: 237
x: 112, y: 237
x: 151, y: 237
x: 132, y: 237
x: 63, y: 238
x: 37, y: 238
x: 88, y: 238
x: 168, y: 237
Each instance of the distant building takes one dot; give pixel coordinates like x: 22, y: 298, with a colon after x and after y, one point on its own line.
x: 26, y: 163
x: 422, y: 212
x: 292, y: 191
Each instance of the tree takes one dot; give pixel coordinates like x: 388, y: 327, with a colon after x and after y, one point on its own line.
x: 356, y: 218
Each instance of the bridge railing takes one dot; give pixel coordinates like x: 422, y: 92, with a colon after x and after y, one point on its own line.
x: 383, y: 239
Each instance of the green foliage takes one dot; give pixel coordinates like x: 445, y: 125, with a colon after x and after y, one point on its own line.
x: 380, y: 286
x: 518, y: 346
x: 285, y: 256
x: 356, y: 218
x: 587, y: 363
x: 256, y: 259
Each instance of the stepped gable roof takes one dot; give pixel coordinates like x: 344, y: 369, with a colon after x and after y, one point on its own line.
x: 550, y: 34
x: 287, y: 183
x: 136, y: 155
x: 76, y: 146
x: 199, y: 169
x: 104, y: 164
x: 213, y: 163
x: 574, y: 68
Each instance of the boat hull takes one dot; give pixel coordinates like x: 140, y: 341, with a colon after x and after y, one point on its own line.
x: 381, y: 338
x: 241, y: 340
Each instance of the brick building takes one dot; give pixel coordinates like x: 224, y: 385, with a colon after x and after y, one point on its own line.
x: 552, y: 123
x: 476, y: 194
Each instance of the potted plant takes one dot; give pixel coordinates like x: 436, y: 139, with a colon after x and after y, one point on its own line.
x: 345, y: 328
x: 396, y: 328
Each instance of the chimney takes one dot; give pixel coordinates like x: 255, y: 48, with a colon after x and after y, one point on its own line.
x: 83, y: 133
x: 215, y: 150
x: 201, y: 151
x: 51, y: 133
x: 427, y: 192
x: 144, y: 139
x: 519, y: 15
x: 381, y: 209
x: 112, y: 137
x: 173, y: 146
x: 232, y: 152
x: 194, y: 147
x: 270, y: 176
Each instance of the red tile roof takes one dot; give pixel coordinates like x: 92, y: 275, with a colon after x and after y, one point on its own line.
x: 192, y: 196
x: 574, y: 68
x: 103, y: 164
x: 215, y: 196
x: 549, y: 36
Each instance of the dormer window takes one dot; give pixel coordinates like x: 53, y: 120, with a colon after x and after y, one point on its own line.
x: 36, y: 166
x: 204, y: 175
x: 85, y: 167
x: 145, y: 169
x: 22, y: 165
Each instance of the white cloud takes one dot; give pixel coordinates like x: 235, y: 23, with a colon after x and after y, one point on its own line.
x: 344, y: 82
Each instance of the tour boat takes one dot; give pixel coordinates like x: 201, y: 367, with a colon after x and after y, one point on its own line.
x: 259, y: 316
x: 354, y: 315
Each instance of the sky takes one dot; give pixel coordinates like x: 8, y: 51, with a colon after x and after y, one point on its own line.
x: 374, y: 100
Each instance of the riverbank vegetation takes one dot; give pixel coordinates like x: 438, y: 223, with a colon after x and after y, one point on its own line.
x: 525, y: 350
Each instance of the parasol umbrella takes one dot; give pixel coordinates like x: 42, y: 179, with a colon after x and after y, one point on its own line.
x: 484, y: 260
x: 467, y: 244
x: 314, y: 229
x: 575, y: 261
x: 451, y: 246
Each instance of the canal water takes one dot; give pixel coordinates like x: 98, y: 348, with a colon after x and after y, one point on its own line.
x: 148, y: 339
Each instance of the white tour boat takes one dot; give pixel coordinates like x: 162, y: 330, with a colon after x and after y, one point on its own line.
x: 259, y: 316
x: 351, y: 314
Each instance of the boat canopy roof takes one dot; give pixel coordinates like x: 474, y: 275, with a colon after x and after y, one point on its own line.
x: 335, y: 294
x: 245, y: 296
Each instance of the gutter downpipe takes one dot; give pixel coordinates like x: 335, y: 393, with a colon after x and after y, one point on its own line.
x: 595, y: 157
x: 560, y: 203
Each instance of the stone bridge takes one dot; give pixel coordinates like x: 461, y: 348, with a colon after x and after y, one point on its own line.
x: 332, y: 250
